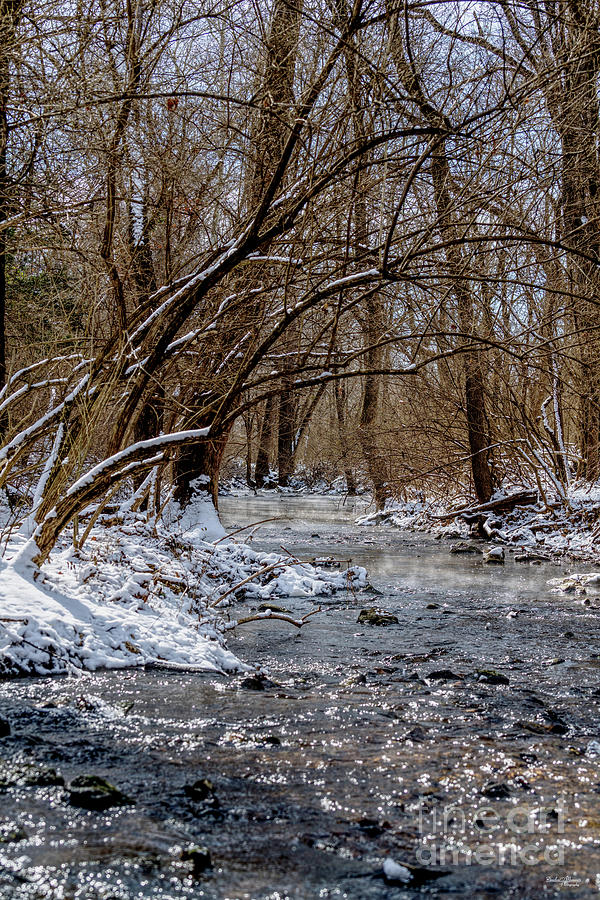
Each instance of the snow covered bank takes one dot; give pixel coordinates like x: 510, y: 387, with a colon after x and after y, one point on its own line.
x: 136, y: 595
x: 558, y: 531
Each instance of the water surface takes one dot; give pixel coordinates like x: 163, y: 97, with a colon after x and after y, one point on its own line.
x: 357, y: 748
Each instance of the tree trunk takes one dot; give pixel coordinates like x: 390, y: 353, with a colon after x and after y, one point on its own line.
x: 268, y: 139
x: 263, y: 458
x: 474, y: 377
x: 196, y: 470
x: 285, y: 433
x: 458, y: 266
x: 373, y: 312
x: 340, y: 408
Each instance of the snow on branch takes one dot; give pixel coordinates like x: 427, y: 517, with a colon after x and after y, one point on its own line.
x: 9, y: 449
x: 113, y: 462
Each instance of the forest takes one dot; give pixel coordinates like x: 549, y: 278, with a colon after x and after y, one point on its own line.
x: 363, y: 237
x: 257, y: 248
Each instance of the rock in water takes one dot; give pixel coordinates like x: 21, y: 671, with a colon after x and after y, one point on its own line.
x: 28, y: 776
x: 405, y: 873
x: 11, y: 833
x: 393, y: 871
x: 93, y: 792
x: 495, y: 556
x: 465, y: 547
x: 4, y: 727
x: 373, y: 616
x: 443, y: 675
x: 495, y: 790
x: 200, y: 790
x: 199, y: 858
x: 490, y: 676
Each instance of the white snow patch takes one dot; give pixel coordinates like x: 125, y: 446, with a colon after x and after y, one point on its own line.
x: 396, y: 872
x: 142, y: 593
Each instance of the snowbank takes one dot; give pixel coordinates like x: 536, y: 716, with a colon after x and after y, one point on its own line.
x: 136, y: 595
x: 572, y: 531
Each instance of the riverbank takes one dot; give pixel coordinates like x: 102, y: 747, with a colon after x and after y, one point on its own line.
x: 569, y: 530
x: 140, y: 593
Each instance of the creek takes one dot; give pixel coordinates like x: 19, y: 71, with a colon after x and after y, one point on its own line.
x: 460, y: 739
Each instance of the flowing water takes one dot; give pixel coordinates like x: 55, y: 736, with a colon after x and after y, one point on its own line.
x: 460, y: 740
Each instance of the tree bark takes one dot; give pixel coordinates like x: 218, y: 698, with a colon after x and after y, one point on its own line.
x: 340, y: 408
x: 263, y: 458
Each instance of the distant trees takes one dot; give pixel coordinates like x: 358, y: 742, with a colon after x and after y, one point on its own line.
x: 379, y: 216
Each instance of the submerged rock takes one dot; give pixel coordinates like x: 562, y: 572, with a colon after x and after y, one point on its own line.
x: 360, y: 678
x: 28, y: 776
x: 495, y: 790
x: 254, y: 683
x: 530, y: 556
x: 273, y: 607
x: 373, y: 616
x: 4, y: 727
x: 465, y: 547
x: 94, y: 792
x: 405, y: 873
x: 199, y: 858
x: 444, y: 675
x: 490, y: 676
x: 200, y: 790
x: 11, y: 833
x: 542, y: 728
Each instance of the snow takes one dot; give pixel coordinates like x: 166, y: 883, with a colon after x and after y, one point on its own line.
x: 149, y: 444
x: 142, y: 592
x: 396, y: 872
x: 568, y: 527
x: 43, y: 421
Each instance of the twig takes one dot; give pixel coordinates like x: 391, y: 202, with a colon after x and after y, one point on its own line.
x: 263, y: 571
x: 259, y: 617
x: 245, y: 528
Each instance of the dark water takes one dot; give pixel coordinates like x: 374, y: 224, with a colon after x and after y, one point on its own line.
x: 350, y: 754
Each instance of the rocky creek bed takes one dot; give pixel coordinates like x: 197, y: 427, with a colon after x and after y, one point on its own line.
x: 462, y: 740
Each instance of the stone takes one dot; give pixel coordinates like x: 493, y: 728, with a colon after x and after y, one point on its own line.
x: 29, y: 776
x: 465, y: 547
x: 542, y: 728
x: 490, y: 676
x: 4, y: 728
x: 529, y: 556
x: 273, y: 607
x: 199, y: 858
x: 373, y: 616
x: 443, y: 675
x: 11, y: 833
x: 200, y: 790
x: 395, y: 873
x: 495, y: 556
x: 94, y: 792
x: 253, y: 683
x: 495, y: 790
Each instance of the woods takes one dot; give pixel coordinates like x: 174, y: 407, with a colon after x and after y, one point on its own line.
x: 363, y: 237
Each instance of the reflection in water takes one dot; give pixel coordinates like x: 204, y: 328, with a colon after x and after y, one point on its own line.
x: 460, y: 739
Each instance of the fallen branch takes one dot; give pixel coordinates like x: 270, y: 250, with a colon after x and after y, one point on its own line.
x: 268, y: 614
x: 503, y: 504
x: 246, y: 527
